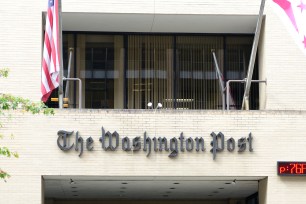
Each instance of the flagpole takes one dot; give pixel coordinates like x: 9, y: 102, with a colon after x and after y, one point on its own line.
x: 61, y: 71
x: 245, y: 100
x: 221, y: 82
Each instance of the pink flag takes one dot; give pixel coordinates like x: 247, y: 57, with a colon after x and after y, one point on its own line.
x: 293, y: 13
x: 232, y: 103
x: 51, y: 52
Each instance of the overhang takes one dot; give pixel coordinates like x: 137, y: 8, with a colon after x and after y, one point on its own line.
x: 148, y: 188
x: 159, y: 23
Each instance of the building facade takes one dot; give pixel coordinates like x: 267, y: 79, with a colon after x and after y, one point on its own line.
x: 127, y: 54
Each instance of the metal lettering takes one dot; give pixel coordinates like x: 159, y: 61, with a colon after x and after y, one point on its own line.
x: 182, y: 142
x: 126, y: 144
x: 155, y: 144
x: 174, y: 150
x: 136, y: 144
x: 250, y: 140
x: 189, y: 144
x: 161, y: 142
x: 231, y: 144
x: 242, y: 144
x: 77, y: 141
x: 198, y: 142
x: 63, y: 135
x: 147, y: 140
x: 110, y: 140
x: 215, y: 144
x: 89, y: 142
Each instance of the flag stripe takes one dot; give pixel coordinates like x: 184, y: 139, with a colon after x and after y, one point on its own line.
x: 51, y: 53
x: 57, y: 33
x: 49, y: 85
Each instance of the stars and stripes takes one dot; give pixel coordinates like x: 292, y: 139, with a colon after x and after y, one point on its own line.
x: 51, y: 52
x: 293, y: 13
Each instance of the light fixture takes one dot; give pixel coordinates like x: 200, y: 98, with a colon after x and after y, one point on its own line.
x: 150, y: 104
x: 234, y: 182
x: 159, y: 105
x: 72, y: 182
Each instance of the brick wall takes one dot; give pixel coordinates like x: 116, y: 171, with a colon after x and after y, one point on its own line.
x: 278, y: 135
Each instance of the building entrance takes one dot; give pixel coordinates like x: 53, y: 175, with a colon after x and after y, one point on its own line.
x: 149, y: 190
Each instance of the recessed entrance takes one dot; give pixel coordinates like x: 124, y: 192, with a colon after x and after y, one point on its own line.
x: 94, y: 189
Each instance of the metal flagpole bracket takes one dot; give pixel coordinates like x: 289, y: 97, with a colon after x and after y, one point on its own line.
x: 239, y: 81
x: 72, y: 79
x: 80, y: 88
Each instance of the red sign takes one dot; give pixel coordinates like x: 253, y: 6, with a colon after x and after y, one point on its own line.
x: 291, y: 168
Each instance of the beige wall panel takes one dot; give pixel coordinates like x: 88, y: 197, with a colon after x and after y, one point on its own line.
x: 20, y: 46
x: 21, y: 189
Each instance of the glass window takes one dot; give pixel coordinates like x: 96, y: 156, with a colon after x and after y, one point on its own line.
x: 99, y: 65
x: 197, y: 83
x: 128, y: 71
x: 150, y: 71
x: 99, y: 75
x: 238, y: 52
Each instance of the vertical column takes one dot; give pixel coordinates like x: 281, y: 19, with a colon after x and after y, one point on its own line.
x: 262, y: 191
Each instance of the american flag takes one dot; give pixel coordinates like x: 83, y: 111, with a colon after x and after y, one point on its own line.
x: 51, y: 52
x: 293, y: 13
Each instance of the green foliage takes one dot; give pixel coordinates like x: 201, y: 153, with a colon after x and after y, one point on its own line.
x: 10, y: 102
x: 4, y: 151
x: 4, y: 72
x: 4, y: 175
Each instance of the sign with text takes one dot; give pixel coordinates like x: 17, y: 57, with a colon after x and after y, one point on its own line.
x: 291, y: 168
x: 110, y: 142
